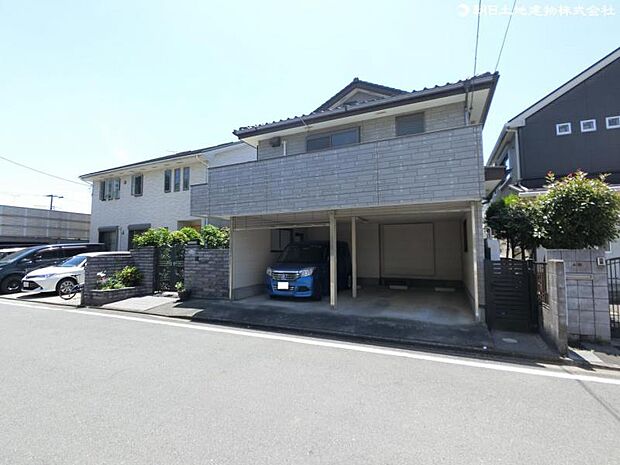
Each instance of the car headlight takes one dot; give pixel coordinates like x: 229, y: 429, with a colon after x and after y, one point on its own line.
x: 305, y: 272
x: 269, y: 271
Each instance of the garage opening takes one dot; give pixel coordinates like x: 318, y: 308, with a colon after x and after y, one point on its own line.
x: 412, y: 266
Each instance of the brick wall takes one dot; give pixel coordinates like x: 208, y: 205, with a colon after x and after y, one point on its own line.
x: 206, y: 272
x: 587, y: 293
x: 142, y: 258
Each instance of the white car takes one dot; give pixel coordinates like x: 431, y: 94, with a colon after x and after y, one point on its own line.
x: 57, y: 278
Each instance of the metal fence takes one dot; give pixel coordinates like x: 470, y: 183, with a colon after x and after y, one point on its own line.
x: 613, y: 284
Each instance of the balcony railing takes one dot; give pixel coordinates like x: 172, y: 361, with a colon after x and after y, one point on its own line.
x: 439, y: 166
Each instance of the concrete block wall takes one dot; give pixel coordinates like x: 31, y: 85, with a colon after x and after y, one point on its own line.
x: 109, y: 263
x: 144, y: 258
x: 587, y: 293
x: 34, y: 224
x: 554, y: 320
x: 206, y: 272
x: 440, y: 166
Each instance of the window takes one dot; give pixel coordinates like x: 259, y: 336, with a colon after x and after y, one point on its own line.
x: 186, y: 178
x: 410, y: 124
x: 47, y: 254
x: 280, y: 238
x: 177, y: 179
x: 136, y: 185
x: 563, y: 129
x: 334, y: 139
x: 588, y: 125
x: 110, y: 189
x: 613, y: 122
x: 167, y: 180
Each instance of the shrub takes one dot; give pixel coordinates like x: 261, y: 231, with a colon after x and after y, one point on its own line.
x: 152, y: 237
x: 214, y: 237
x: 578, y: 213
x: 129, y: 276
x: 515, y: 219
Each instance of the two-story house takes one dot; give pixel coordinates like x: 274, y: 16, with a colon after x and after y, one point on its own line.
x: 575, y: 127
x: 396, y: 174
x: 127, y: 200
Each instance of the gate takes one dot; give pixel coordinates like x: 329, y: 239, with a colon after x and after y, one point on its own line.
x: 514, y: 291
x: 613, y: 284
x: 170, y: 266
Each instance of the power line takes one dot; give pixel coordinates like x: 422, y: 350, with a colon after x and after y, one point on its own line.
x: 477, y: 36
x: 83, y: 184
x: 514, y: 4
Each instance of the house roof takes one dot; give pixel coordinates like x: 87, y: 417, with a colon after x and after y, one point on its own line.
x: 482, y: 81
x: 519, y: 120
x: 174, y: 156
x: 358, y: 84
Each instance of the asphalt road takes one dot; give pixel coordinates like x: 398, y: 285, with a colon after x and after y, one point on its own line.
x: 88, y: 387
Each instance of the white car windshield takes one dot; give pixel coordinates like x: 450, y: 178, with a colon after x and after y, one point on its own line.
x: 73, y: 261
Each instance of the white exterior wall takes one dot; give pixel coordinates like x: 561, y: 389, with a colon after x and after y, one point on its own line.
x: 251, y: 255
x: 154, y: 206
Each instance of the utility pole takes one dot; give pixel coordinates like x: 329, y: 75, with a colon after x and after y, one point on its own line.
x: 52, y: 197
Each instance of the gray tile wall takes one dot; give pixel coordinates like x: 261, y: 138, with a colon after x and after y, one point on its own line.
x: 442, y: 117
x: 439, y: 166
x: 206, y: 272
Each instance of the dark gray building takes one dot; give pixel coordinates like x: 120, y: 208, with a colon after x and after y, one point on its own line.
x: 577, y: 126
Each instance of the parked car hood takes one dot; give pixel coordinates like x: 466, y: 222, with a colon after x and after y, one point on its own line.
x: 56, y: 270
x: 293, y: 266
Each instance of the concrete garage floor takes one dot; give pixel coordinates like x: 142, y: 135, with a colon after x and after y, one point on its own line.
x: 444, y: 307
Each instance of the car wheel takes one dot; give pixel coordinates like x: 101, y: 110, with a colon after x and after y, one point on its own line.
x: 318, y: 292
x: 11, y: 284
x: 65, y: 285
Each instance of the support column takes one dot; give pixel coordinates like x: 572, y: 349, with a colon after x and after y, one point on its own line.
x: 333, y: 265
x: 230, y: 258
x: 354, y: 256
x: 474, y: 257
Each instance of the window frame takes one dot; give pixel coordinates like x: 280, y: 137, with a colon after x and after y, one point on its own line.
x: 610, y: 126
x: 167, y: 180
x: 557, y: 129
x: 176, y: 180
x: 185, y: 178
x: 109, y: 189
x: 330, y: 135
x: 133, y: 185
x: 581, y: 123
x: 401, y: 117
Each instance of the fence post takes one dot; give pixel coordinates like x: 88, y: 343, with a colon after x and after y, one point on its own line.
x: 554, y: 324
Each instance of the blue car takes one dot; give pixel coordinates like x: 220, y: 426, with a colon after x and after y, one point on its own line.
x: 302, y: 270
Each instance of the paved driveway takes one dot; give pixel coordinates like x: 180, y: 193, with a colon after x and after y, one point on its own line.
x: 90, y: 387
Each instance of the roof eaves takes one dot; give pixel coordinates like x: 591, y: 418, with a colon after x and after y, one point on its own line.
x: 173, y: 156
x: 480, y: 81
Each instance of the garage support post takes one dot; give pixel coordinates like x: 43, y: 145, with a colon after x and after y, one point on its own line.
x: 474, y: 256
x: 333, y: 257
x: 354, y: 256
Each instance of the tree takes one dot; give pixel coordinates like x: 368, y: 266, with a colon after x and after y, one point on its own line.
x: 514, y: 220
x: 578, y: 212
x: 214, y: 237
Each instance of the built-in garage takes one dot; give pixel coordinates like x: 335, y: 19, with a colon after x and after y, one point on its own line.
x: 415, y: 262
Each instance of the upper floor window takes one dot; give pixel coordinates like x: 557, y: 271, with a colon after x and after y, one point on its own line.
x: 563, y: 129
x: 332, y: 139
x: 410, y: 124
x: 186, y: 178
x: 110, y: 189
x: 167, y: 180
x: 177, y: 179
x: 137, y: 183
x: 613, y: 122
x: 588, y: 125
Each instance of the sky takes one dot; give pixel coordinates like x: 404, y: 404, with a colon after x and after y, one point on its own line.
x: 88, y: 85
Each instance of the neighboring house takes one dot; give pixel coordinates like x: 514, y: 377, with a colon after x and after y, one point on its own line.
x: 577, y: 126
x: 129, y: 199
x: 31, y: 226
x: 397, y: 174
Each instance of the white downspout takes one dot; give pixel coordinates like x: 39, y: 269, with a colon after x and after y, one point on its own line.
x: 284, y: 148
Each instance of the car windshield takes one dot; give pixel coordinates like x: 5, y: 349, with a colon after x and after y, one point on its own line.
x: 14, y: 256
x: 303, y: 253
x: 73, y: 261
